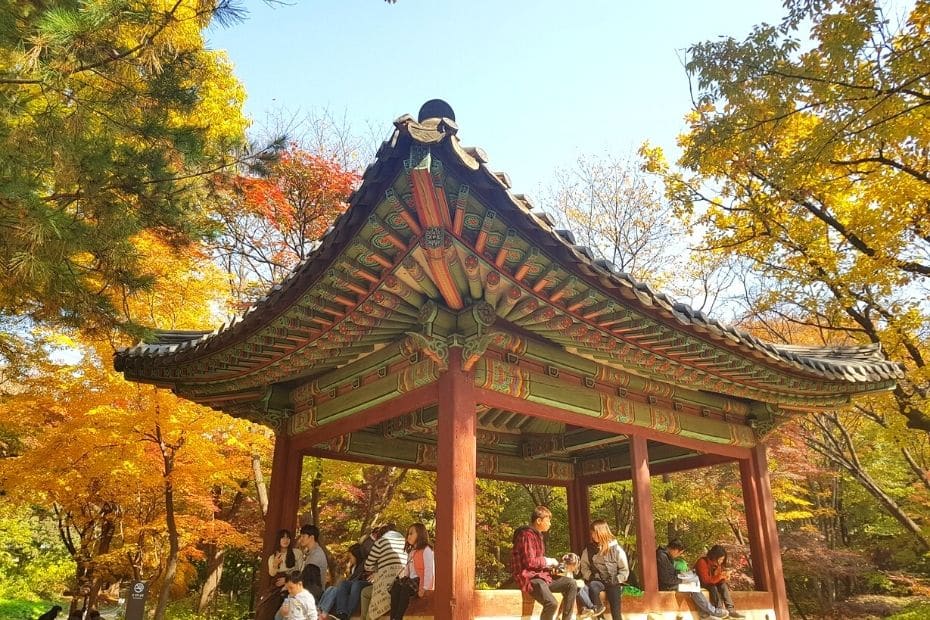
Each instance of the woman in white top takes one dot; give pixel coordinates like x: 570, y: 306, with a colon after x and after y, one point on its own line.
x: 417, y: 577
x: 284, y: 560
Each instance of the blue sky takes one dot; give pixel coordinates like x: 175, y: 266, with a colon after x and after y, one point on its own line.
x: 533, y: 83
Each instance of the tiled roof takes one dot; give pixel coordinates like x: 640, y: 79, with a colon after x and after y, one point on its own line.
x: 850, y: 365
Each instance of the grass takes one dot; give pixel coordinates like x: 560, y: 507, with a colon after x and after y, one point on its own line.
x: 917, y: 611
x: 19, y: 609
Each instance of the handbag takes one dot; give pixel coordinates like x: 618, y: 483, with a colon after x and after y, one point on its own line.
x: 410, y: 583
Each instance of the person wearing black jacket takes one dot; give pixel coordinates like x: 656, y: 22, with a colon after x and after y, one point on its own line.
x: 668, y: 580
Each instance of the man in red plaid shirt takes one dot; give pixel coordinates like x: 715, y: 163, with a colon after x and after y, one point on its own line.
x: 531, y: 568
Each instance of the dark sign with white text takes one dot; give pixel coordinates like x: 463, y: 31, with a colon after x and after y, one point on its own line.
x: 135, y: 601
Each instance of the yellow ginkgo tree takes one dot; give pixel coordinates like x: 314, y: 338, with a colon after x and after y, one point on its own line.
x: 811, y: 163
x: 139, y: 480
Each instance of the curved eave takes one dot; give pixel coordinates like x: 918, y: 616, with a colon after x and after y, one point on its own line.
x: 850, y: 370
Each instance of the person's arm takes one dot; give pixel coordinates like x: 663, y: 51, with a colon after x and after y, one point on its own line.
x: 371, y: 561
x: 706, y: 572
x: 531, y: 553
x: 427, y: 581
x: 584, y: 569
x: 273, y: 564
x: 668, y: 577
x: 623, y: 565
x: 320, y: 560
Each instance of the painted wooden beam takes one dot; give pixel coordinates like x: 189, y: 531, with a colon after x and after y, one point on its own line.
x: 456, y: 492
x: 642, y: 507
x: 510, y: 387
x: 754, y: 524
x: 283, y: 498
x: 776, y: 576
x: 404, y: 402
x: 665, y: 467
x: 579, y: 514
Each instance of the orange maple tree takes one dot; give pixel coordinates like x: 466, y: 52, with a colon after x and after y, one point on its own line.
x: 272, y: 217
x: 141, y: 481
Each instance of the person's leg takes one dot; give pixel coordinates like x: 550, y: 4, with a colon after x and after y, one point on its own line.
x: 355, y: 597
x: 704, y: 605
x: 728, y: 600
x: 712, y: 593
x: 328, y: 600
x: 342, y: 598
x: 569, y: 590
x: 725, y: 595
x: 613, y: 597
x: 365, y: 601
x: 595, y: 588
x: 543, y: 596
x: 400, y: 600
x: 585, y: 596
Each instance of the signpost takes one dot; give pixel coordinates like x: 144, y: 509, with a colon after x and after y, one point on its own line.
x: 135, y: 602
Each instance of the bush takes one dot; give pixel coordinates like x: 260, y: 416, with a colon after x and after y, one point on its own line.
x: 221, y: 609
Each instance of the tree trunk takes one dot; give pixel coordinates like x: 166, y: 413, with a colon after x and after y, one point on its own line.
x: 672, y: 527
x: 215, y: 556
x: 260, y: 488
x: 837, y: 445
x: 168, y: 452
x: 380, y: 491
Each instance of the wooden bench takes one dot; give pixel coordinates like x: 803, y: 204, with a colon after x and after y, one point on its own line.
x: 515, y: 605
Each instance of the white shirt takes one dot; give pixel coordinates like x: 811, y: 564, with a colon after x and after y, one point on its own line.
x: 301, y: 607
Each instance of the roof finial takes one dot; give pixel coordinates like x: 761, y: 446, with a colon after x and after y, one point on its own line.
x: 435, y: 108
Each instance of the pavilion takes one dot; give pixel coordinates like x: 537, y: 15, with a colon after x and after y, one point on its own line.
x: 444, y: 324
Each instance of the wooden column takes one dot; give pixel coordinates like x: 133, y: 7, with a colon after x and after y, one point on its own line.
x: 754, y: 525
x: 456, y: 464
x: 579, y: 514
x: 283, y: 497
x: 642, y: 503
x: 774, y: 574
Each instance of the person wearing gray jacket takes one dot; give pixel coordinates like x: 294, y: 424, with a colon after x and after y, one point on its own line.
x: 604, y: 568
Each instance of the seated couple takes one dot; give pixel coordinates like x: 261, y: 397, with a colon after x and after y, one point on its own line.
x: 711, y: 574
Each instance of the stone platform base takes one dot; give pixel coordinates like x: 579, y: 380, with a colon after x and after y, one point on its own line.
x: 514, y: 605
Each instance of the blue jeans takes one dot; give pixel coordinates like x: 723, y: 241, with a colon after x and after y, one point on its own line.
x: 704, y: 605
x: 590, y: 596
x: 328, y: 599
x: 348, y: 596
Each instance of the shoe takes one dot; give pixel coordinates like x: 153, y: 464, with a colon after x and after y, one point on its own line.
x: 587, y: 612
x: 735, y: 614
x: 599, y: 610
x: 710, y: 617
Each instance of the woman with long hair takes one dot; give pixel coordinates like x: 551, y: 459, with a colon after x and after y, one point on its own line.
x: 713, y: 573
x: 284, y: 560
x: 417, y: 578
x: 604, y: 568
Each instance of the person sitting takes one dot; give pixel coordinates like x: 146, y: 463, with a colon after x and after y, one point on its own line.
x: 604, y: 567
x: 314, y: 566
x: 668, y: 580
x: 284, y: 560
x: 299, y: 604
x: 712, y: 571
x: 385, y: 561
x: 417, y: 578
x: 354, y: 577
x: 531, y: 569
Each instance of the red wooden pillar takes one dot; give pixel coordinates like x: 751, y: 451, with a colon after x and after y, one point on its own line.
x: 754, y: 525
x: 775, y: 575
x: 642, y: 503
x: 579, y: 514
x: 283, y: 497
x: 455, y: 493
